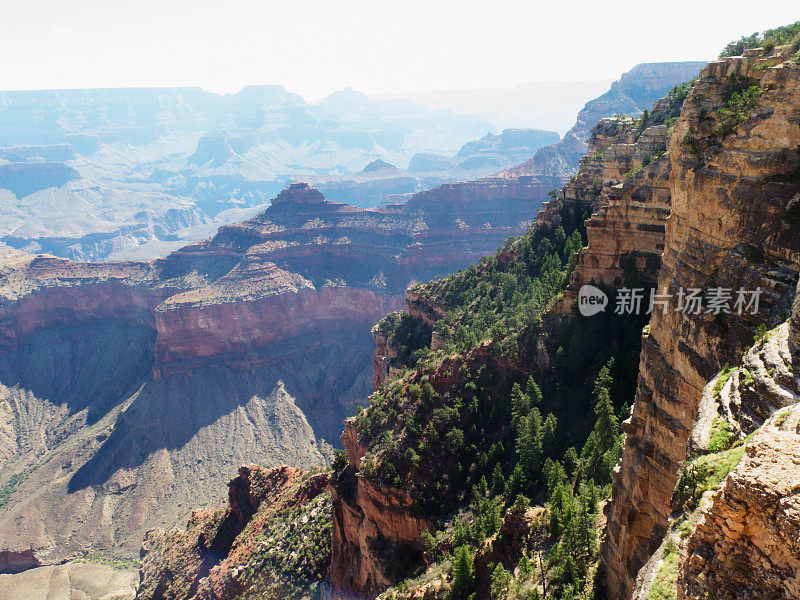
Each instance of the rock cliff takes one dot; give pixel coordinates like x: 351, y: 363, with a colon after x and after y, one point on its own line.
x: 625, y: 176
x: 745, y: 543
x: 733, y: 185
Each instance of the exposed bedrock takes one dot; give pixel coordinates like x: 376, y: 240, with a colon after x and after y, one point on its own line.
x: 731, y: 226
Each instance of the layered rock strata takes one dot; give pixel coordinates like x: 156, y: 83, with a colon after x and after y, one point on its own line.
x: 127, y: 388
x: 745, y: 543
x: 626, y: 176
x: 733, y: 190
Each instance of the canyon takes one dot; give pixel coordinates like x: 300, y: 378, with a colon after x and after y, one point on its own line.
x: 133, y: 174
x: 130, y: 389
x: 680, y: 200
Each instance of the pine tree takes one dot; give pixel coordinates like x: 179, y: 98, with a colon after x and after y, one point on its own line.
x: 533, y: 392
x: 549, y: 433
x: 498, y: 481
x: 529, y: 444
x: 501, y: 579
x: 520, y: 406
x: 604, y: 381
x: 607, y: 424
x: 463, y: 573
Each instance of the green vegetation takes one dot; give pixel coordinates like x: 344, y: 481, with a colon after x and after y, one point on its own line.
x: 493, y: 299
x: 491, y: 426
x: 761, y: 335
x: 722, y: 438
x: 101, y: 559
x: 11, y: 485
x: 500, y: 428
x: 722, y: 379
x: 706, y: 473
x: 293, y: 551
x: 676, y: 97
x: 407, y: 335
x: 599, y: 155
x: 664, y: 586
x: 696, y: 144
x: 769, y: 39
x: 738, y: 104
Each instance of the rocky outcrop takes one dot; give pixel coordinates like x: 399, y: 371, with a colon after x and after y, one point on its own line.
x: 733, y: 189
x: 266, y: 539
x: 746, y: 544
x: 635, y: 91
x: 376, y: 530
x: 505, y: 548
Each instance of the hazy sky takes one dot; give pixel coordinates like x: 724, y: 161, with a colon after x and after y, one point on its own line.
x: 315, y: 47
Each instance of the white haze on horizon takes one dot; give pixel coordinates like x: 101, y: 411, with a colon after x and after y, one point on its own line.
x: 316, y: 47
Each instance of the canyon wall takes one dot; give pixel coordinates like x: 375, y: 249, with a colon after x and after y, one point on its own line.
x: 635, y: 91
x: 734, y: 188
x: 127, y: 388
x: 625, y: 177
x: 745, y: 542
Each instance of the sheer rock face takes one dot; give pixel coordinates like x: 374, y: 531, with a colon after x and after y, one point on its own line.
x: 747, y: 541
x: 730, y: 226
x: 376, y: 533
x: 626, y: 175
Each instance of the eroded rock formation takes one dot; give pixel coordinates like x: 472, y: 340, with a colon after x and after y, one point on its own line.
x: 376, y: 529
x: 246, y: 547
x: 127, y: 388
x: 733, y: 189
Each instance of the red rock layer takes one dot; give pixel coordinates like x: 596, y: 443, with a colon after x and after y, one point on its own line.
x: 304, y: 265
x: 376, y: 532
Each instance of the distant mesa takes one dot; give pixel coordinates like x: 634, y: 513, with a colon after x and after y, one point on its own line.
x: 634, y: 91
x: 526, y: 141
x: 213, y: 149
x: 299, y: 193
x: 346, y: 99
x: 379, y: 165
